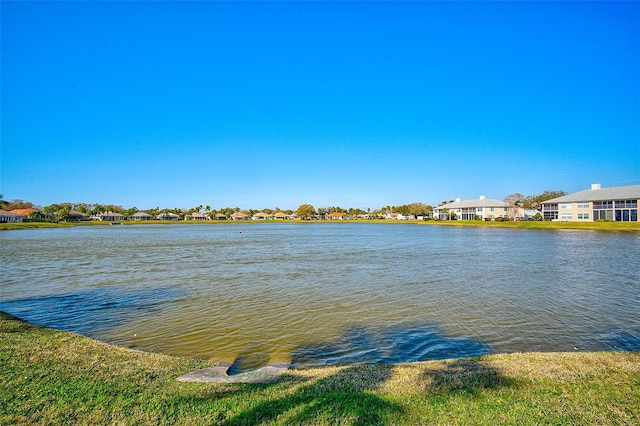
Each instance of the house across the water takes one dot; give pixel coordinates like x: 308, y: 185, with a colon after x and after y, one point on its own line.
x: 480, y: 209
x: 619, y: 204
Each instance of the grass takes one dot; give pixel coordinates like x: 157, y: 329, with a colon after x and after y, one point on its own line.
x: 31, y: 225
x: 53, y: 377
x: 585, y: 226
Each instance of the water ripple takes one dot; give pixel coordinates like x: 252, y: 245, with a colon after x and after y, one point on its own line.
x: 316, y: 294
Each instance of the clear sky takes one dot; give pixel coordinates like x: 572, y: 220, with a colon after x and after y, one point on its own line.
x: 350, y: 104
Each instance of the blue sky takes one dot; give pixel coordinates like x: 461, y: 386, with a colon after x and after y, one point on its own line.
x: 351, y: 104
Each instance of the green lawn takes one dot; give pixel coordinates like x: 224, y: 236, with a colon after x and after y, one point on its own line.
x: 51, y: 377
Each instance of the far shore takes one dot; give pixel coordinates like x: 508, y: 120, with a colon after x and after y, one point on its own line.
x: 587, y: 226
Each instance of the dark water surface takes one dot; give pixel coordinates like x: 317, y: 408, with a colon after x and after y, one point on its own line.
x: 317, y: 294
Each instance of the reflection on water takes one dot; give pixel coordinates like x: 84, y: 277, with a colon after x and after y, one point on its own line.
x: 88, y: 310
x: 315, y: 294
x: 390, y: 346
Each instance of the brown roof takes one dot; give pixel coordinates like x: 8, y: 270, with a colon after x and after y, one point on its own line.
x: 23, y: 212
x: 337, y: 214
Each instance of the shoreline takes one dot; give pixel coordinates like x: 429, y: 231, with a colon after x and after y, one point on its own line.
x: 219, y: 367
x: 54, y: 377
x: 577, y: 226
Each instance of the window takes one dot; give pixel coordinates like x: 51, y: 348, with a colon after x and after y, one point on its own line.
x: 566, y: 216
x: 630, y: 204
x: 602, y: 205
x: 583, y: 205
x: 565, y: 205
x: 583, y: 216
x: 550, y: 211
x: 603, y: 215
x: 491, y: 210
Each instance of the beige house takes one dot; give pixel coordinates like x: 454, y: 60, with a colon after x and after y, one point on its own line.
x: 75, y: 215
x: 481, y: 209
x: 262, y: 216
x: 142, y: 216
x: 619, y: 204
x: 337, y: 216
x: 239, y: 216
x: 195, y: 216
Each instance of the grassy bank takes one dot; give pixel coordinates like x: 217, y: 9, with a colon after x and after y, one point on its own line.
x: 53, y: 377
x: 585, y: 226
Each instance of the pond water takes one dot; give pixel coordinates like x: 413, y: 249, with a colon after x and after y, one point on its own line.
x: 324, y: 293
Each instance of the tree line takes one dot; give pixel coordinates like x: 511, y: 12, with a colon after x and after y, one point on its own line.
x: 63, y: 211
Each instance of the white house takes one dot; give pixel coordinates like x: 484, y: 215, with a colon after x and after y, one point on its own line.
x: 195, y: 216
x: 481, y: 209
x: 168, y: 216
x: 8, y: 217
x: 619, y: 204
x: 108, y: 216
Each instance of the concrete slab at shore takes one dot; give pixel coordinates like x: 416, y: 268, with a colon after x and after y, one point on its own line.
x: 219, y: 374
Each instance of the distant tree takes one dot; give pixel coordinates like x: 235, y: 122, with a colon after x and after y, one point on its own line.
x: 513, y: 198
x: 35, y: 216
x: 62, y: 214
x: 81, y: 207
x: 420, y: 209
x: 97, y: 208
x: 130, y: 212
x: 228, y: 211
x: 354, y: 211
x: 534, y: 202
x: 16, y: 204
x: 335, y: 209
x: 305, y: 211
x: 114, y: 208
x: 181, y: 214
